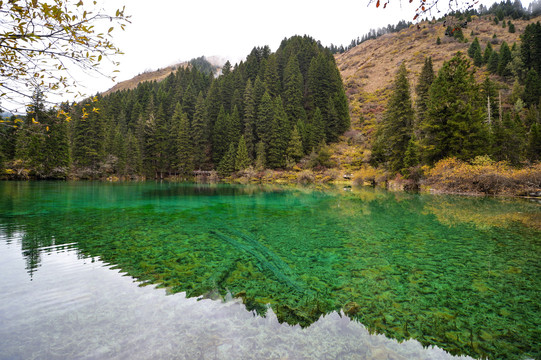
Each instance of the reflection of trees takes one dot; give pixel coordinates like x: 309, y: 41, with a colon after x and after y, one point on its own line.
x: 388, y: 260
x: 483, y: 212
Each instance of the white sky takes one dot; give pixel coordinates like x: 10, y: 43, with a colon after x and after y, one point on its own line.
x: 166, y: 32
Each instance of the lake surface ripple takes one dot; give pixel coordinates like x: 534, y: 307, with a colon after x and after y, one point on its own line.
x: 257, y: 272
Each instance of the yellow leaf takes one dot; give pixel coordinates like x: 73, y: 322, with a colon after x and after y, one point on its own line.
x: 47, y: 128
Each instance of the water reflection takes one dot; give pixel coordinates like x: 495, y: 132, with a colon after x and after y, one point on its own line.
x: 407, y: 266
x: 93, y: 312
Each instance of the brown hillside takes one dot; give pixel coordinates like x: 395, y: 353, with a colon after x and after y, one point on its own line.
x: 368, y: 70
x: 156, y: 75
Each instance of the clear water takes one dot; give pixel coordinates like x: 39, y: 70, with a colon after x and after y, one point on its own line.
x: 265, y: 272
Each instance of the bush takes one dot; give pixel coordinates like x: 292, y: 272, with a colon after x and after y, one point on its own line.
x: 305, y: 177
x: 370, y: 175
x: 484, y: 176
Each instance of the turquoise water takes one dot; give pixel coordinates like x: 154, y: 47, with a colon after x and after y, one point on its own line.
x: 265, y: 272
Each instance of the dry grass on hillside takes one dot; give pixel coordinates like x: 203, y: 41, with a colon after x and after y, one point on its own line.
x: 372, y: 65
x: 369, y: 69
x: 156, y: 75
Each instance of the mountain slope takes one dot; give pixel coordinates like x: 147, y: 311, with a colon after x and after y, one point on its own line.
x: 368, y: 70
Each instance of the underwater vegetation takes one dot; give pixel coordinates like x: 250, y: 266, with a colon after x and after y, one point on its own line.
x: 407, y: 266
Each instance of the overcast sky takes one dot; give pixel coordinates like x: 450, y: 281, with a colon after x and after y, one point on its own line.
x: 165, y: 32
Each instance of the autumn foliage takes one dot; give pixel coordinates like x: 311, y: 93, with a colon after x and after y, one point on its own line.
x: 483, y: 176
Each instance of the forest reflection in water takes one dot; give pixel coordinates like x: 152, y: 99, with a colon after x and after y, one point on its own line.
x: 459, y: 273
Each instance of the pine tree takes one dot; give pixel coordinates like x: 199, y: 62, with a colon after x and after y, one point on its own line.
x: 493, y: 62
x: 242, y: 160
x: 264, y: 119
x: 199, y: 133
x: 454, y: 123
x: 220, y: 134
x: 260, y: 161
x: 487, y: 53
x: 293, y: 91
x: 315, y: 131
x: 505, y: 58
x: 278, y: 139
x: 272, y: 80
x: 534, y: 143
x: 509, y: 135
x: 474, y: 47
x: 396, y: 128
x: 249, y: 119
x: 532, y: 88
x: 227, y: 163
x: 425, y: 80
x: 295, y: 148
x: 184, y: 146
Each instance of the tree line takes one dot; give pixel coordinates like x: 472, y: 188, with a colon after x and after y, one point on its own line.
x: 267, y: 111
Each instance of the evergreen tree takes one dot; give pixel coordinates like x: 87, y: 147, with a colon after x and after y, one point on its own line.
x: 534, y: 143
x: 227, y: 163
x: 295, y: 149
x: 293, y: 91
x: 493, y: 62
x: 220, y: 140
x: 487, y: 53
x: 425, y: 80
x: 249, y: 119
x: 505, y: 58
x: 278, y: 140
x: 260, y: 161
x: 474, y: 47
x: 532, y: 88
x: 272, y: 80
x: 454, y: 122
x: 396, y: 128
x: 242, y: 160
x: 199, y: 133
x: 315, y: 131
x: 509, y: 135
x: 184, y: 146
x: 264, y: 118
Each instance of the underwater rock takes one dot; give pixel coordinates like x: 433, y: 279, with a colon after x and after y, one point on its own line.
x: 351, y: 308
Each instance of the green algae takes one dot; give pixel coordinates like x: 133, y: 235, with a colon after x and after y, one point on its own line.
x: 407, y: 266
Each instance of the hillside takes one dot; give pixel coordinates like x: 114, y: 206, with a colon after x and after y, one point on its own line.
x: 154, y: 75
x: 368, y: 71
x: 160, y: 74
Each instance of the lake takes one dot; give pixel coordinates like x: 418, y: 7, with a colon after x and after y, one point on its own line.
x: 149, y: 270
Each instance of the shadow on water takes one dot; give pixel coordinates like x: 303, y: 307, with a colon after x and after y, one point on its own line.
x: 459, y: 273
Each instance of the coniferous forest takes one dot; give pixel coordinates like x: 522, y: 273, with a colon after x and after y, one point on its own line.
x: 264, y: 112
x: 282, y: 110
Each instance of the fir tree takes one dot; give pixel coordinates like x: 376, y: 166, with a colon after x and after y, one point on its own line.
x: 272, y: 80
x: 397, y: 126
x: 249, y: 118
x: 293, y: 91
x: 487, y: 53
x: 294, y: 148
x: 227, y: 163
x: 425, y: 80
x: 185, y: 146
x: 493, y: 62
x: 264, y: 119
x: 532, y: 88
x: 220, y: 138
x: 474, y: 47
x: 454, y: 123
x: 242, y: 160
x: 199, y: 133
x: 534, y: 143
x: 260, y: 161
x: 505, y: 58
x: 278, y: 139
